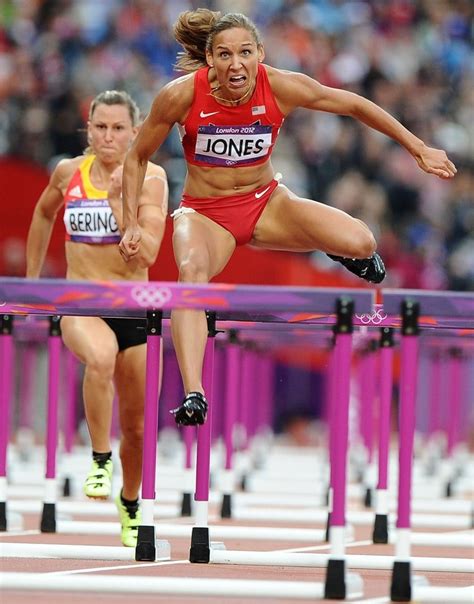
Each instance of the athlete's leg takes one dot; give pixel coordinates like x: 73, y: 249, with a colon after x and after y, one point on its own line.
x: 130, y: 382
x: 202, y: 248
x: 92, y: 341
x: 292, y: 223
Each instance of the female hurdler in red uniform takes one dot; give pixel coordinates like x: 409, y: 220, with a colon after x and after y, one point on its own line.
x: 230, y: 108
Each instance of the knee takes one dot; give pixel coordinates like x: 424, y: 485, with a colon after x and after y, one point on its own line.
x: 194, y: 269
x: 132, y: 432
x: 363, y: 245
x: 101, y: 363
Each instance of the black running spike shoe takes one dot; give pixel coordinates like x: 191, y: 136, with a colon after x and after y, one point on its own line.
x: 371, y: 269
x: 192, y: 412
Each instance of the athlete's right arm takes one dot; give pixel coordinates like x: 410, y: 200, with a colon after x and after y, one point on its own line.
x: 43, y: 219
x: 169, y: 108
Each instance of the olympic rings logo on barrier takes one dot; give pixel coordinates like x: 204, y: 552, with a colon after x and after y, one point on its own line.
x: 151, y: 297
x: 377, y: 317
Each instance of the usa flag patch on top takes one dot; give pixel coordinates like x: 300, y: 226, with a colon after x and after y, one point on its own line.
x: 258, y: 110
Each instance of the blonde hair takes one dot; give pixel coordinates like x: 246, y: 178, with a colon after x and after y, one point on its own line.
x: 114, y: 97
x: 196, y: 30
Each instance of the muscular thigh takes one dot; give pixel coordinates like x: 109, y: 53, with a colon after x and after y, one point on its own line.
x: 88, y: 338
x: 198, y: 239
x: 293, y: 223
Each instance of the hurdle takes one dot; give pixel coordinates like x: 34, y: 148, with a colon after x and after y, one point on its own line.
x: 272, y: 590
x: 69, y: 421
x: 380, y: 529
x: 25, y: 296
x: 338, y: 585
x: 444, y: 319
x: 215, y: 551
x: 6, y: 367
x: 460, y: 307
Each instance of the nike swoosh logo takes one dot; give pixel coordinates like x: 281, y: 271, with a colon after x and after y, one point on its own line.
x: 202, y: 114
x: 258, y: 195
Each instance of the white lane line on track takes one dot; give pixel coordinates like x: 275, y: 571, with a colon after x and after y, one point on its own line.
x: 311, y: 548
x: 173, y: 562
x: 19, y: 533
x: 122, y: 567
x: 373, y: 601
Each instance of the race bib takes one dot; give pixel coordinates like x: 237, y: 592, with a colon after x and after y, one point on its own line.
x: 232, y: 145
x: 91, y: 221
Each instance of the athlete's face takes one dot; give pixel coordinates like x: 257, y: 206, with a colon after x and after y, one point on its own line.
x: 110, y: 132
x: 235, y: 57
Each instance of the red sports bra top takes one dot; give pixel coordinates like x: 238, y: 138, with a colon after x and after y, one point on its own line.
x: 217, y: 135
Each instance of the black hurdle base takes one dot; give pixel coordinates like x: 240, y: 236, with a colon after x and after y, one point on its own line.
x: 146, y: 549
x: 335, y: 585
x: 226, y: 507
x: 328, y: 527
x: 400, y: 587
x: 368, y: 498
x: 186, y: 506
x: 380, y: 532
x: 200, y: 551
x: 244, y: 482
x: 448, y: 489
x: 3, y: 516
x: 48, y: 518
x: 67, y: 487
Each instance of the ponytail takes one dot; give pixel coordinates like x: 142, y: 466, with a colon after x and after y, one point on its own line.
x: 192, y: 30
x: 196, y: 30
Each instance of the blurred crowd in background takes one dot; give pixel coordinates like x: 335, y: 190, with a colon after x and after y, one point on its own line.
x: 415, y: 58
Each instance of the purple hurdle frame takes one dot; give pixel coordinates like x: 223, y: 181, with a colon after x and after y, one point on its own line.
x: 380, y: 530
x: 200, y: 549
x: 453, y: 428
x: 367, y: 383
x: 456, y: 389
x: 69, y: 419
x: 67, y: 298
x: 146, y: 549
x: 331, y: 428
x: 400, y: 589
x: 27, y: 386
x: 189, y: 437
x: 6, y: 389
x: 247, y: 389
x: 434, y: 425
x: 335, y: 583
x: 233, y: 371
x: 449, y: 309
x: 48, y: 518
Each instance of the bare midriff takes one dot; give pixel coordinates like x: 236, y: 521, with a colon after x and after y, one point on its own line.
x: 86, y: 261
x: 222, y: 182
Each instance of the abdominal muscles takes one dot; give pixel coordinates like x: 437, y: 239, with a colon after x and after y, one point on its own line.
x: 95, y: 261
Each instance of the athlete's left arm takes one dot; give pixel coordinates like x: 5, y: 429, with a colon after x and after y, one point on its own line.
x: 152, y: 211
x: 298, y: 90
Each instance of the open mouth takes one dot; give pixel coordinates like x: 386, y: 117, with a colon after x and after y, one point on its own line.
x: 237, y: 81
